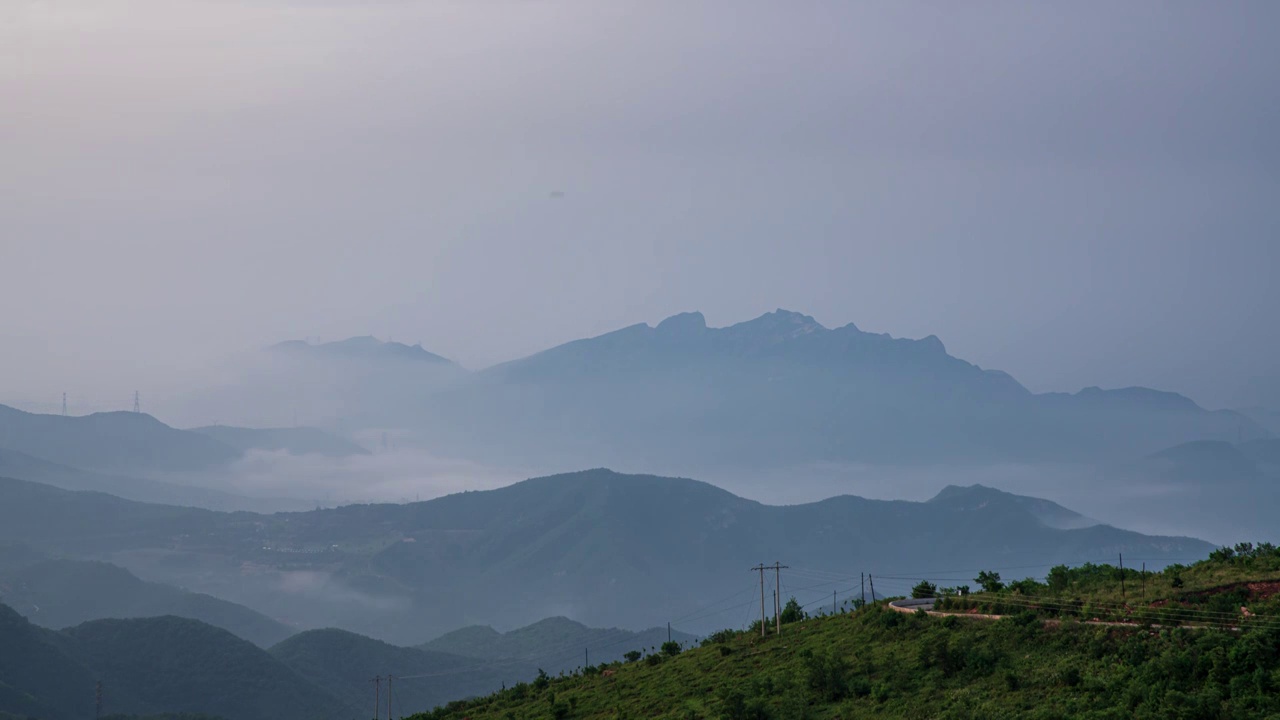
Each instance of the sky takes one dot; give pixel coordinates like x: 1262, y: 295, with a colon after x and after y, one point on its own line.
x: 1079, y: 193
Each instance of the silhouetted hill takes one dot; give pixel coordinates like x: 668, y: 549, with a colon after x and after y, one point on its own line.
x: 1265, y: 451
x: 171, y: 664
x: 1266, y: 417
x: 1207, y: 461
x: 782, y: 389
x: 343, y: 663
x: 602, y: 547
x: 60, y: 593
x: 38, y: 678
x: 567, y: 637
x: 23, y: 466
x: 111, y: 442
x: 295, y: 440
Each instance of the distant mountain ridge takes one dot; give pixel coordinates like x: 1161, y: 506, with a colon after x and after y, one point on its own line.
x: 530, y: 643
x: 587, y: 544
x: 58, y: 593
x: 783, y: 389
x: 113, y: 445
x: 150, y: 665
x: 363, y: 347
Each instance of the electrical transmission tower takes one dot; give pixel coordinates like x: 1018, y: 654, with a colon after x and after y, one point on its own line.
x: 137, y: 406
x: 97, y: 700
x: 64, y: 404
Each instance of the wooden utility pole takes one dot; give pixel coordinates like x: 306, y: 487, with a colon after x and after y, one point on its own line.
x: 377, y: 697
x: 388, y: 697
x: 777, y: 595
x: 97, y: 700
x: 760, y: 568
x: 872, y: 582
x: 668, y: 632
x: 586, y: 659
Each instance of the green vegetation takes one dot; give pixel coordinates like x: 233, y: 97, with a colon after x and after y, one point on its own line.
x: 880, y: 662
x: 1235, y: 585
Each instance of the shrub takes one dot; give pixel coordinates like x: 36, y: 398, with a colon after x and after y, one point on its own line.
x: 827, y: 675
x: 924, y: 589
x: 671, y: 648
x: 542, y: 682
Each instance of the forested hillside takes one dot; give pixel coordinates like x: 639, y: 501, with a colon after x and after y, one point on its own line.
x: 1048, y: 658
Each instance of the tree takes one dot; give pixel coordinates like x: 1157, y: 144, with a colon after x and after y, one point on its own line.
x: 924, y: 589
x: 792, y: 612
x: 990, y: 581
x: 632, y: 655
x: 671, y: 648
x: 1058, y: 578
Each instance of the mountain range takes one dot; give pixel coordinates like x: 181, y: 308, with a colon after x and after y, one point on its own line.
x: 777, y: 391
x: 58, y: 593
x: 124, y: 450
x: 599, y: 546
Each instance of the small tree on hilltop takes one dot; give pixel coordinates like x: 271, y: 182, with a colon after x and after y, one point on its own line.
x: 990, y: 581
x: 632, y: 655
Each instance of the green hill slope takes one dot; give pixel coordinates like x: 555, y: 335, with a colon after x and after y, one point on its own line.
x: 880, y: 663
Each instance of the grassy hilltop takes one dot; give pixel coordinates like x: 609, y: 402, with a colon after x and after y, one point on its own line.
x: 1041, y: 661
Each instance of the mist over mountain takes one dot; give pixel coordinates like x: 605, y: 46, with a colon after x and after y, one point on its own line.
x: 56, y: 593
x: 778, y: 390
x: 110, y: 442
x: 587, y: 545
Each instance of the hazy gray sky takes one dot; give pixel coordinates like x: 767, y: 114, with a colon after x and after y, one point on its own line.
x: 1076, y: 192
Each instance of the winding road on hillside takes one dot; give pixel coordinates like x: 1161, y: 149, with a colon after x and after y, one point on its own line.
x: 912, y: 605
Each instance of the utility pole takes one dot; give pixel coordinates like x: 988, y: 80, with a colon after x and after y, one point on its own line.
x: 760, y: 568
x: 1122, y: 576
x: 97, y: 700
x: 777, y: 594
x: 862, y: 582
x: 668, y: 632
x: 872, y: 581
x: 586, y: 659
x: 377, y: 697
x: 388, y: 697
